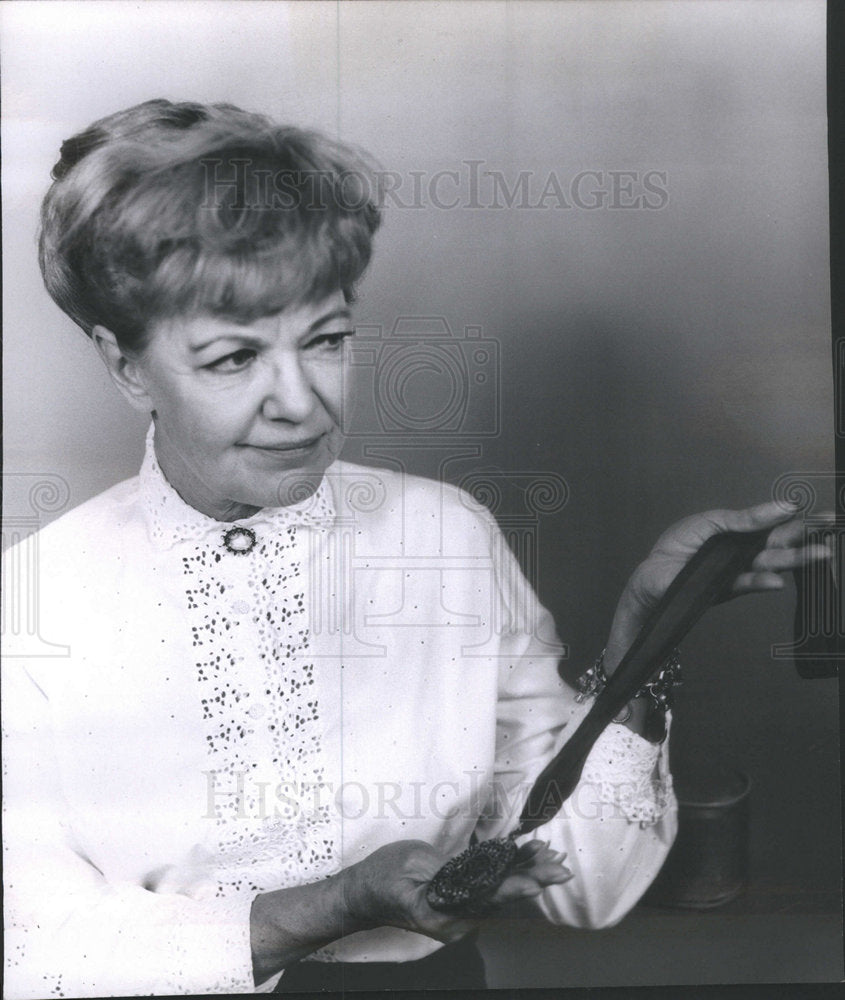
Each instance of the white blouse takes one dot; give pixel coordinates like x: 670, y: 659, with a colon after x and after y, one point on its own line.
x: 220, y: 724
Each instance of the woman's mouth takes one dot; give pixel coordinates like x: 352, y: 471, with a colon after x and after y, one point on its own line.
x: 287, y: 447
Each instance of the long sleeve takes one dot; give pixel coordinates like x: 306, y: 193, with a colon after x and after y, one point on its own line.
x: 120, y: 877
x: 68, y: 931
x: 135, y: 841
x: 616, y: 830
x: 619, y: 823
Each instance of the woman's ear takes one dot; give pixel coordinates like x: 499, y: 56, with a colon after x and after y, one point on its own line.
x: 123, y: 368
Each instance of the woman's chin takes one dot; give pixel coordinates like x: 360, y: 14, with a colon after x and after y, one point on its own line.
x: 286, y: 478
x: 281, y: 489
x: 296, y: 486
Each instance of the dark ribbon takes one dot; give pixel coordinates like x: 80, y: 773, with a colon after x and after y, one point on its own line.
x: 704, y: 580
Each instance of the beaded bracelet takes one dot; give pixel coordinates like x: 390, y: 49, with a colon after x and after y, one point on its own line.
x: 659, y: 691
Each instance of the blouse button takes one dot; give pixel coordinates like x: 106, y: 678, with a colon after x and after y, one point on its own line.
x: 240, y: 607
x: 256, y: 711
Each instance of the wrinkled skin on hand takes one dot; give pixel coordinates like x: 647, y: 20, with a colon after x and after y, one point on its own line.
x: 393, y: 882
x: 786, y: 549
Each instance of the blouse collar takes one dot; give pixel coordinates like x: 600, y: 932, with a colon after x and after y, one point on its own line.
x: 171, y: 520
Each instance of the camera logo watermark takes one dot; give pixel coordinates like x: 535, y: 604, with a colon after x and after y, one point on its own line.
x: 422, y: 379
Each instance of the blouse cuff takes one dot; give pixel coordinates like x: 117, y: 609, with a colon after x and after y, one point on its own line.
x: 236, y: 944
x: 628, y: 772
x: 215, y: 946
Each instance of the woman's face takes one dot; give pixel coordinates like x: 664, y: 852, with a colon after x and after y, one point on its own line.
x: 244, y: 413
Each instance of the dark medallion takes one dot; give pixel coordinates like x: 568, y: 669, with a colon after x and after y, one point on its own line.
x: 468, y: 882
x: 239, y: 540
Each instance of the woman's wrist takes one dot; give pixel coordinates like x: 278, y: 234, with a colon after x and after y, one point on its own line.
x: 635, y: 713
x: 627, y: 622
x: 628, y: 619
x: 645, y: 711
x: 360, y: 898
x: 287, y: 924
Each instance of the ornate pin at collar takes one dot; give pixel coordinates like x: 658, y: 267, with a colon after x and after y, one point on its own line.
x: 239, y: 540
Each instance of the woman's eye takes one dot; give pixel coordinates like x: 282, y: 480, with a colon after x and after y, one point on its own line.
x: 233, y: 362
x: 330, y: 342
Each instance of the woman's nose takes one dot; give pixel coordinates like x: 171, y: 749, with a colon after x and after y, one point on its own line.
x: 289, y: 394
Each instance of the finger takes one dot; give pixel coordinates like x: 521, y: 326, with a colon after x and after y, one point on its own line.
x: 788, y: 534
x: 816, y: 519
x: 797, y: 531
x: 751, y: 583
x: 552, y: 874
x: 546, y: 867
x: 531, y: 849
x: 698, y: 528
x: 516, y: 887
x: 764, y: 515
x: 542, y: 856
x: 780, y: 560
x: 526, y: 886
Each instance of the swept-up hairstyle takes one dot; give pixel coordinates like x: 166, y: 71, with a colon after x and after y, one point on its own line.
x: 166, y: 210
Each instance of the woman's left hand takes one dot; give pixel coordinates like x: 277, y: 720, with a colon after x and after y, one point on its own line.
x: 785, y: 550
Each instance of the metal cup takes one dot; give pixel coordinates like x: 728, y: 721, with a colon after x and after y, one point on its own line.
x: 708, y: 863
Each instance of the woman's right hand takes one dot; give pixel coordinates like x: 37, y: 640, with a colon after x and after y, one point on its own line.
x: 388, y: 888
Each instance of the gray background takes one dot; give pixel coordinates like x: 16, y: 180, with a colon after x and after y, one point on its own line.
x: 660, y: 361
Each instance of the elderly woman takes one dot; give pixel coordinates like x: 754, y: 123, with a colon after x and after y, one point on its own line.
x: 284, y: 708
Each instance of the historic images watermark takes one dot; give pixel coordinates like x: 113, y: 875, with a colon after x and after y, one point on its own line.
x: 820, y: 611
x: 475, y: 185
x: 239, y: 796
x: 28, y: 497
x: 240, y: 183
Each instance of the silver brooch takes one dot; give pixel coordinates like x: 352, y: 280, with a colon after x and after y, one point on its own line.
x: 239, y: 540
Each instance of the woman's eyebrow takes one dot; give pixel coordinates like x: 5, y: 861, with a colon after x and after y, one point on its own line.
x: 244, y: 338
x: 336, y: 314
x: 249, y: 339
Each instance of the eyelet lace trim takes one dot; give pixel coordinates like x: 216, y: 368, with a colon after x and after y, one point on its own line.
x: 257, y: 689
x: 631, y: 774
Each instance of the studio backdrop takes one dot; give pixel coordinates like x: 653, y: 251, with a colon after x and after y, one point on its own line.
x: 604, y: 259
